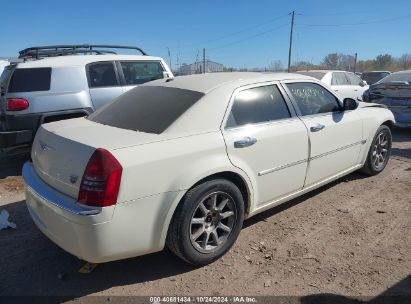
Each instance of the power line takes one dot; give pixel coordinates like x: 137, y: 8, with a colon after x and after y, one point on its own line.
x: 249, y: 37
x: 358, y: 23
x: 246, y: 29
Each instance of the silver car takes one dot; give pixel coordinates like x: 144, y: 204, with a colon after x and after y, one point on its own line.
x: 61, y: 82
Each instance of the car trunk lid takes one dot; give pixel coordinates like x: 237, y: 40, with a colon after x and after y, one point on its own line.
x: 62, y: 149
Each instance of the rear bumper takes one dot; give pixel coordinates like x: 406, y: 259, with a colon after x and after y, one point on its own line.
x: 101, y: 234
x: 402, y: 116
x: 16, y: 130
x: 11, y: 139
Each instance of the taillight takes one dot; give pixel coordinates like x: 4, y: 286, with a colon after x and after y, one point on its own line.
x: 16, y: 104
x: 101, y: 180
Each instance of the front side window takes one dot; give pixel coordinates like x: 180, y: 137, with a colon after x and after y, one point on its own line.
x: 312, y: 98
x: 139, y: 72
x: 354, y: 79
x: 339, y: 78
x: 257, y: 105
x: 102, y: 74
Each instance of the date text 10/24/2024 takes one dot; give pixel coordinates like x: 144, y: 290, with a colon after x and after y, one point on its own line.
x: 203, y: 299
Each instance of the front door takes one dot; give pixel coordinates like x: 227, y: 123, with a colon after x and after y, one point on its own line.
x: 266, y: 139
x: 335, y: 135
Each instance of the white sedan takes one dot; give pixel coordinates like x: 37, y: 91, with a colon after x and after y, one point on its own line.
x: 345, y: 84
x: 182, y: 163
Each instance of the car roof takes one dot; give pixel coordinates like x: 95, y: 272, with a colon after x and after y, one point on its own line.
x: 207, y: 82
x: 365, y: 72
x: 81, y: 60
x: 323, y: 71
x: 402, y: 72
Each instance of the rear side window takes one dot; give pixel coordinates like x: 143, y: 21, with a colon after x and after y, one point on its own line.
x: 30, y: 80
x: 354, y: 79
x: 257, y: 105
x: 339, y: 79
x: 149, y: 109
x: 102, y: 74
x: 139, y: 72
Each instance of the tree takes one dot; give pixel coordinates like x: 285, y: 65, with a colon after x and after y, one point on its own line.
x: 346, y: 62
x: 384, y: 62
x: 331, y: 61
x: 404, y: 62
x: 276, y: 66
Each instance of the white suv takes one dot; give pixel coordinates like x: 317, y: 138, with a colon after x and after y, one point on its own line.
x: 61, y: 82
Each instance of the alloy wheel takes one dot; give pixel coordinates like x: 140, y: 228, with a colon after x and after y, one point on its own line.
x: 212, y: 222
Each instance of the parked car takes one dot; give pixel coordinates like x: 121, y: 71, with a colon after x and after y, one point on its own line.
x: 3, y: 64
x: 182, y: 163
x: 60, y: 82
x: 393, y: 91
x: 374, y: 76
x: 346, y: 84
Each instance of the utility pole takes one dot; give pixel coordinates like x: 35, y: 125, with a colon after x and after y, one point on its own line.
x: 204, y: 60
x: 291, y: 40
x: 169, y: 57
x: 355, y: 62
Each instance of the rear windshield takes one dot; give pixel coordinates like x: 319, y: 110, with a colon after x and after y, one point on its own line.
x: 397, y: 77
x: 149, y: 109
x: 373, y: 76
x: 318, y: 75
x: 30, y: 80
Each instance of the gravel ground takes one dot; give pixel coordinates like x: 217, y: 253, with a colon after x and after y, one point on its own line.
x: 351, y: 238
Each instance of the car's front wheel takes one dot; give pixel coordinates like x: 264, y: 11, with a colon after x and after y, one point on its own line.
x: 207, y: 222
x: 380, y: 151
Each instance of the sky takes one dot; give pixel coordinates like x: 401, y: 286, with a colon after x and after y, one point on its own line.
x: 236, y: 33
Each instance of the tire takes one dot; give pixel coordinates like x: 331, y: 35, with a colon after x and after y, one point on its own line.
x: 377, y: 159
x: 195, y: 234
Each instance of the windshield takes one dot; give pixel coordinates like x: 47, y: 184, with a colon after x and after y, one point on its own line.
x: 318, y: 75
x: 397, y: 77
x: 149, y: 109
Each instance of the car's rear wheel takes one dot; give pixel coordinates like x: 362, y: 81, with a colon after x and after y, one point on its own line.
x: 207, y: 222
x: 380, y: 151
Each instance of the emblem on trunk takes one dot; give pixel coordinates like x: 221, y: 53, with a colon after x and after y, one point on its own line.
x: 44, y: 146
x: 73, y: 179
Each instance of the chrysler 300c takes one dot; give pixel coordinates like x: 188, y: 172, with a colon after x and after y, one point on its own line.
x: 182, y: 163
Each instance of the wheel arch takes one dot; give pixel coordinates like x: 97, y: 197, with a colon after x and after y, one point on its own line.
x: 240, y: 179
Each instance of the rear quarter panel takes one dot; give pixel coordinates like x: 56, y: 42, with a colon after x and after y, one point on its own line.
x: 164, y: 171
x: 68, y: 90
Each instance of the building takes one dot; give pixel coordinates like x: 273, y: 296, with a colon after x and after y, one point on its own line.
x: 197, y: 68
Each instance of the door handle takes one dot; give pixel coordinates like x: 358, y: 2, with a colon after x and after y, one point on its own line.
x: 317, y: 127
x: 245, y: 142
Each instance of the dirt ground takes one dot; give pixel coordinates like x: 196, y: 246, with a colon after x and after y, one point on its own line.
x: 351, y: 238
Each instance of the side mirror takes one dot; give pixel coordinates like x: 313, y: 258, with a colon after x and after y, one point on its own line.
x: 363, y: 83
x: 167, y: 75
x: 350, y: 104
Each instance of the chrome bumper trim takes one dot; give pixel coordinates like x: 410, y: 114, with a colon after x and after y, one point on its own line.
x: 43, y: 192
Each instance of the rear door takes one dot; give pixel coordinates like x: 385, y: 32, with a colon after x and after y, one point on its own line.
x: 355, y: 83
x: 104, y: 82
x: 341, y: 85
x: 335, y: 135
x: 266, y: 139
x: 134, y: 73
